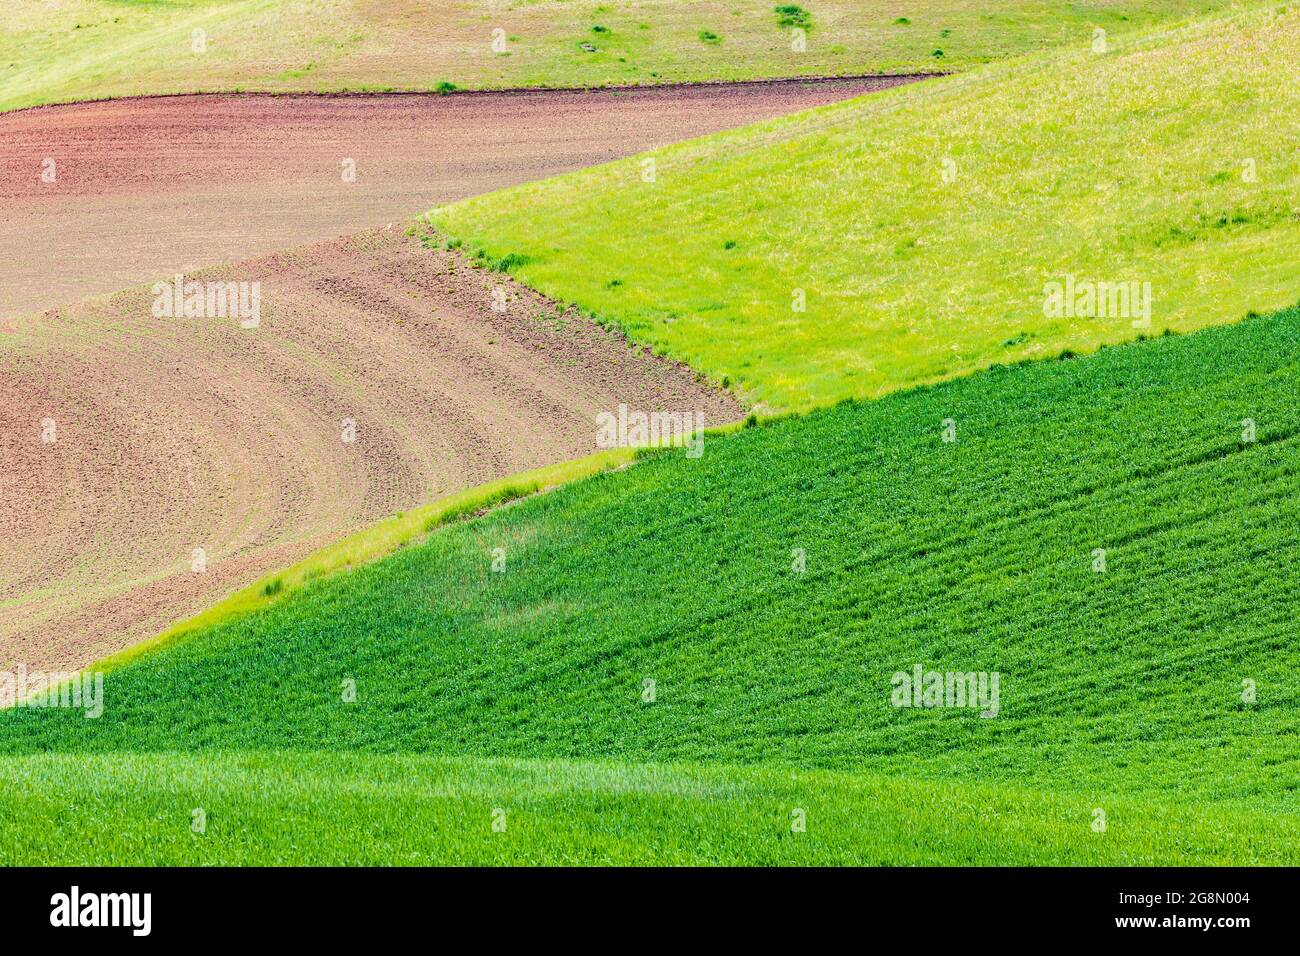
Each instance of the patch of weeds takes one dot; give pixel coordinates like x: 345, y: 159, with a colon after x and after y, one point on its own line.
x: 598, y: 28
x: 903, y: 22
x: 273, y: 587
x: 553, y: 321
x: 708, y: 36
x: 729, y: 244
x: 1206, y: 224
x: 509, y: 261
x: 793, y: 15
x: 613, y: 283
x: 471, y: 509
x: 445, y: 87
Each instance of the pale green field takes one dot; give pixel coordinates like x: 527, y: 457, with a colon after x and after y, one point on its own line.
x: 61, y: 50
x: 340, y: 809
x: 922, y: 224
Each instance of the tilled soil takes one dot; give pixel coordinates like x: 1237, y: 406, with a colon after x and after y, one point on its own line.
x: 129, y: 441
x: 174, y: 434
x: 146, y: 187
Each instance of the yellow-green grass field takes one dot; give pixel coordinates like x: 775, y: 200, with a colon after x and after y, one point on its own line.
x: 919, y: 228
x: 61, y: 50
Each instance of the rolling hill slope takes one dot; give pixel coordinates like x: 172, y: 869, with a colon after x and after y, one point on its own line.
x: 379, y: 376
x: 1161, y: 678
x: 915, y: 235
x: 684, y: 660
x: 82, y: 49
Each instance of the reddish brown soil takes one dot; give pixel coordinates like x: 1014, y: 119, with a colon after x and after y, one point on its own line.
x: 176, y: 434
x: 146, y: 187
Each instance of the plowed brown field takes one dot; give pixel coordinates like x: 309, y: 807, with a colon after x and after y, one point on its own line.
x: 130, y: 443
x: 171, y: 435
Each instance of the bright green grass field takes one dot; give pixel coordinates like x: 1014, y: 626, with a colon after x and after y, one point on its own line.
x: 274, y: 809
x: 89, y: 49
x: 1123, y: 690
x: 922, y: 225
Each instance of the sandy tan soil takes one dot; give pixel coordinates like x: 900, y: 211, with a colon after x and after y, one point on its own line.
x: 177, y: 434
x: 145, y: 187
